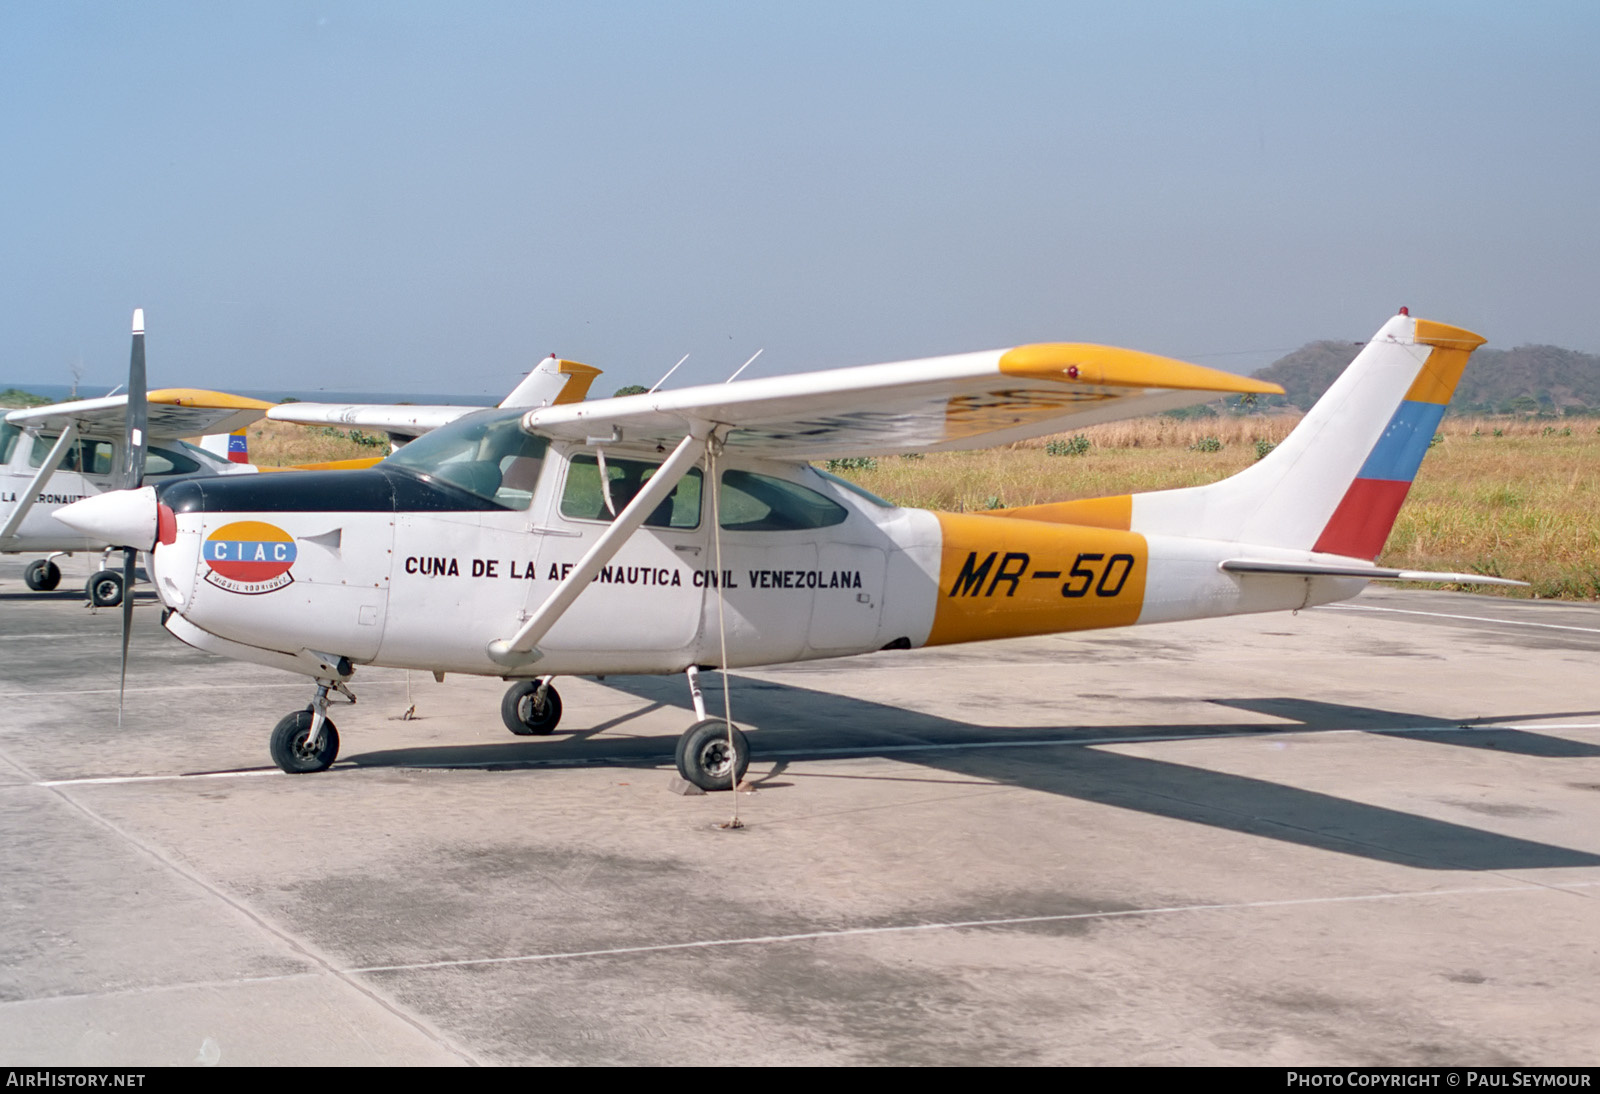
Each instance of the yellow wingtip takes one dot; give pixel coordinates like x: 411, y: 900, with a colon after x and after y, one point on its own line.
x: 1110, y: 366
x: 211, y: 400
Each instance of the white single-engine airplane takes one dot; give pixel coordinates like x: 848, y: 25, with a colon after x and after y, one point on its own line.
x: 672, y: 531
x: 52, y: 456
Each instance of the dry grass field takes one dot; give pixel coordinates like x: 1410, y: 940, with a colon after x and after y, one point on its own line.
x: 1516, y: 498
x: 279, y: 444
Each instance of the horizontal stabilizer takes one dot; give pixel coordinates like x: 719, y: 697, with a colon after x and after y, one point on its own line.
x: 1356, y: 569
x: 404, y: 420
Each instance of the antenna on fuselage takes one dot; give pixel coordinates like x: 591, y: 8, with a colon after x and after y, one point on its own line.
x: 670, y: 371
x: 744, y: 366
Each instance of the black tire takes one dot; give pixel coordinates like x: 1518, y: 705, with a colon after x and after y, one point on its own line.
x: 516, y: 710
x: 288, y: 744
x: 42, y: 575
x: 105, y: 589
x: 703, y: 758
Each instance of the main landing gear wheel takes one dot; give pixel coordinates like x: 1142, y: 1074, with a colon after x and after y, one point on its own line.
x: 105, y: 589
x: 526, y: 718
x: 291, y: 750
x: 42, y: 575
x: 705, y: 759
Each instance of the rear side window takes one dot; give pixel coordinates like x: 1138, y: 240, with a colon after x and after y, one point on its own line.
x: 583, y: 498
x: 761, y: 503
x: 8, y: 441
x: 164, y: 461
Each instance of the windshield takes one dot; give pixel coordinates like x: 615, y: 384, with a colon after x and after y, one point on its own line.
x: 485, y: 453
x: 202, y: 455
x: 855, y: 488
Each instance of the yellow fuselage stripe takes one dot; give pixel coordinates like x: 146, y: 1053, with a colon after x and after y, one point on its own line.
x: 1003, y: 577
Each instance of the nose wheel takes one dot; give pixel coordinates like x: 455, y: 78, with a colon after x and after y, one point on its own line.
x: 306, y: 741
x: 711, y: 757
x: 294, y: 750
x: 105, y: 589
x: 531, y: 708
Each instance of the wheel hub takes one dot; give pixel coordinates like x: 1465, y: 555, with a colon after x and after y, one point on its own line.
x: 716, y: 758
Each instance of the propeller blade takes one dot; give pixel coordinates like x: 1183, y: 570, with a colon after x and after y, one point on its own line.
x: 129, y: 556
x: 131, y: 477
x: 137, y: 419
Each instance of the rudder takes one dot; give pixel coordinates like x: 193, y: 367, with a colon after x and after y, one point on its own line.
x: 1336, y: 483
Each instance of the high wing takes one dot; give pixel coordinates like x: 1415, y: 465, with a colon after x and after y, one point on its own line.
x: 970, y: 400
x: 553, y: 382
x: 174, y: 412
x: 406, y: 421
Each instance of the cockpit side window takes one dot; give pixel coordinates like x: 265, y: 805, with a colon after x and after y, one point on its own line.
x: 89, y: 457
x: 584, y: 499
x: 760, y: 503
x: 8, y: 441
x: 485, y: 454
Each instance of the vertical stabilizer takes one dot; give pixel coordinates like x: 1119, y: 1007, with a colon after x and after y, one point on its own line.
x: 553, y: 382
x: 233, y: 447
x: 1337, y: 482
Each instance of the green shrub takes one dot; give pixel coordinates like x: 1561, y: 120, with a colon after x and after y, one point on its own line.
x: 1076, y: 445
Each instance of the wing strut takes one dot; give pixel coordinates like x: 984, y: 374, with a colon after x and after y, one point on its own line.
x: 51, y: 463
x: 521, y: 648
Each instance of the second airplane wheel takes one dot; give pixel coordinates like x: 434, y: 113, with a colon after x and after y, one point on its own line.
x: 42, y: 575
x: 705, y: 759
x: 518, y: 713
x: 105, y: 589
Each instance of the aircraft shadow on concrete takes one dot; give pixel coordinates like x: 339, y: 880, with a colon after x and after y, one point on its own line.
x: 796, y: 722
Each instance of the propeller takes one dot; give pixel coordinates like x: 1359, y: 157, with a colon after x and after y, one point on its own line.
x: 130, y: 476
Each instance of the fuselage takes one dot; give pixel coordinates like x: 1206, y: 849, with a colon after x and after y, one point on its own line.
x: 424, y: 566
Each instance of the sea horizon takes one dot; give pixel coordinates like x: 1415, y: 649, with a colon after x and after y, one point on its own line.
x: 58, y: 393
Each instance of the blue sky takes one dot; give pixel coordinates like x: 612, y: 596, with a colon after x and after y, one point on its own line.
x: 426, y: 198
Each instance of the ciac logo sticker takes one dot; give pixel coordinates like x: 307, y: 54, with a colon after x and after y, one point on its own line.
x: 249, y: 556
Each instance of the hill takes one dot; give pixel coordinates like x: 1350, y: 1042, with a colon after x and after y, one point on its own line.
x: 1528, y: 379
